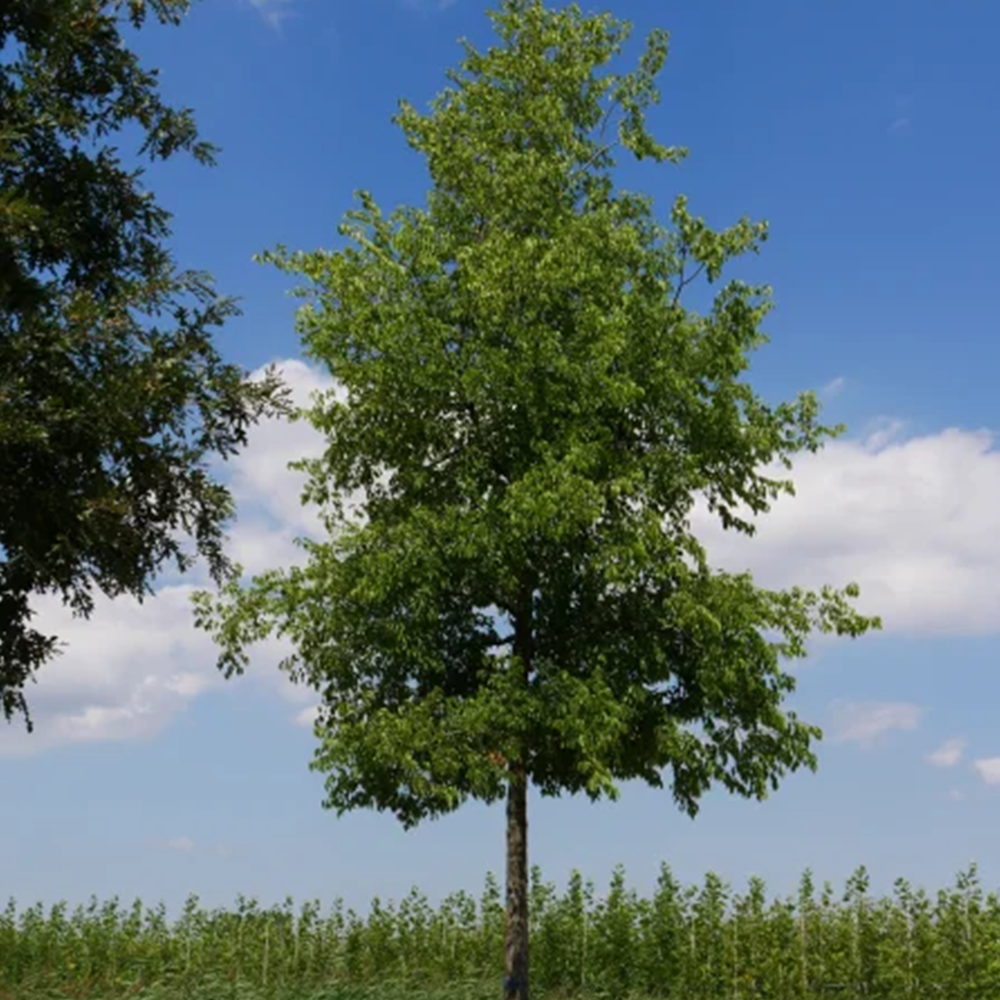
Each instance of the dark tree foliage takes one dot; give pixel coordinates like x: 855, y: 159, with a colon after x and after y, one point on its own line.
x: 112, y: 396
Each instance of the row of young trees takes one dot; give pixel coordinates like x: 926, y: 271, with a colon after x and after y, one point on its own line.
x: 681, y: 941
x: 530, y: 410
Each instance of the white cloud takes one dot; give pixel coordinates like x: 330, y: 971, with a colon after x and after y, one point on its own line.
x: 988, y: 769
x: 956, y: 795
x: 123, y: 675
x: 833, y: 388
x: 948, y: 754
x: 275, y: 12
x: 914, y: 522
x: 181, y: 844
x: 864, y: 722
x: 307, y: 717
x: 130, y: 668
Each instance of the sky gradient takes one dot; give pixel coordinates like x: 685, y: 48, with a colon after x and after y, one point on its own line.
x: 867, y: 135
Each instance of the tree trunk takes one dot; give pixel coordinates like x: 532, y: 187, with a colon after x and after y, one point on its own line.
x: 516, y: 944
x: 516, y: 950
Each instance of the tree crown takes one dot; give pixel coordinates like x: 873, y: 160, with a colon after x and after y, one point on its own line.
x: 525, y: 414
x: 111, y: 392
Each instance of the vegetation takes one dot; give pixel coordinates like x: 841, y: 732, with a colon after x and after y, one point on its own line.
x: 112, y: 395
x: 529, y: 413
x: 683, y: 943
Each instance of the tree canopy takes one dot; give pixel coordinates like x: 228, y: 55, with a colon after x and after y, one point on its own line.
x: 112, y: 395
x: 511, y: 592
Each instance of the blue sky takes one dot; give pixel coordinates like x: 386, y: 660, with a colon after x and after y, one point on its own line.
x: 867, y: 135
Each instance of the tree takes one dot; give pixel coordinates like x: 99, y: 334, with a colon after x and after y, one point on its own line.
x: 526, y: 414
x: 111, y: 393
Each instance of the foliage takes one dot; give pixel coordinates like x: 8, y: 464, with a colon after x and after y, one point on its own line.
x: 111, y: 393
x: 525, y: 414
x: 707, y: 942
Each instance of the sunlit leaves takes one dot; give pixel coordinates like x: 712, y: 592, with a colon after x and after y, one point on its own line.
x: 528, y: 411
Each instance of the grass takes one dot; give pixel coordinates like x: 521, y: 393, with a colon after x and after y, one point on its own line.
x: 702, y: 942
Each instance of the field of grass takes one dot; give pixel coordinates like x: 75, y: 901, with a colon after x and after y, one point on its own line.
x: 684, y: 943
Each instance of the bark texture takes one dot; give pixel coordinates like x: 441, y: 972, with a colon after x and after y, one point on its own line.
x: 516, y: 945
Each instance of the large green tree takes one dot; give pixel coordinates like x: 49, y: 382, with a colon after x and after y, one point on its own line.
x: 112, y: 396
x: 528, y: 413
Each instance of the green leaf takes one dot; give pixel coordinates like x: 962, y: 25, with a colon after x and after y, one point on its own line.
x: 529, y: 411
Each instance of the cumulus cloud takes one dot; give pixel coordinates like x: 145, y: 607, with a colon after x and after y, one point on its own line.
x: 988, y: 768
x: 267, y: 493
x: 914, y: 521
x: 180, y: 844
x: 123, y: 674
x: 865, y: 722
x: 948, y: 754
x: 130, y: 668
